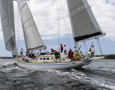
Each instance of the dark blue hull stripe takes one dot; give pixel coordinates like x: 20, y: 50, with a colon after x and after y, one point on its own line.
x: 87, y: 36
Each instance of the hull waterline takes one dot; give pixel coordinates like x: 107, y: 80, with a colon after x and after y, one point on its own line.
x: 52, y: 66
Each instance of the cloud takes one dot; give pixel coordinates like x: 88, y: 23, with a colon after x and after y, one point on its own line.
x: 45, y: 13
x: 105, y: 15
x: 46, y: 17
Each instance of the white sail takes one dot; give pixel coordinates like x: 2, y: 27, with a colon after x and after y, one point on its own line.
x: 31, y: 34
x: 7, y: 21
x: 83, y: 22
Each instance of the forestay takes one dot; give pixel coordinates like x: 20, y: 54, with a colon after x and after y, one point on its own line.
x: 7, y: 21
x: 31, y: 34
x: 83, y: 22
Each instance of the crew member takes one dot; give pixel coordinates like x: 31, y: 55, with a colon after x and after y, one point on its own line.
x: 53, y: 51
x: 65, y: 51
x: 77, y: 55
x: 21, y: 51
x: 61, y: 48
x: 92, y: 50
x: 70, y: 54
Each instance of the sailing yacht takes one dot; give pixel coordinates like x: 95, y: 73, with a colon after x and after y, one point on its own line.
x: 83, y: 23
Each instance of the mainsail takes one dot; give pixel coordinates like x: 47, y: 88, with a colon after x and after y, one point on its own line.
x: 83, y: 22
x: 7, y: 21
x: 31, y: 34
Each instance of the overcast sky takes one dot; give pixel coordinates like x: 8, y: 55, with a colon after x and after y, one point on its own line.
x: 45, y: 15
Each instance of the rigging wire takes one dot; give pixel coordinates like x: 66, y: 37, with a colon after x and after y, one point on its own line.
x: 64, y: 20
x: 99, y: 44
x: 85, y: 46
x: 29, y: 6
x: 67, y: 28
x: 58, y: 22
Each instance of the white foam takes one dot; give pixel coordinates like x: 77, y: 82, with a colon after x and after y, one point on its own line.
x: 112, y: 87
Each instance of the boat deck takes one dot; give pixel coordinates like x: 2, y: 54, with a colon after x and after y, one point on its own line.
x: 61, y: 60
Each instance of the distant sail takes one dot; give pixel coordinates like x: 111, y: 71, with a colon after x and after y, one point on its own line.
x: 31, y: 34
x: 83, y: 22
x: 7, y: 21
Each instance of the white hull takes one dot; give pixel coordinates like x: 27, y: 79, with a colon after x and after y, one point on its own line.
x: 52, y: 66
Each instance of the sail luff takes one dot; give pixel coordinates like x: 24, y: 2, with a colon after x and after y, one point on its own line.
x: 83, y: 22
x: 8, y: 26
x: 31, y: 34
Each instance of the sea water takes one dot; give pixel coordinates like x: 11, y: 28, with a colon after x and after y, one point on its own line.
x: 99, y: 75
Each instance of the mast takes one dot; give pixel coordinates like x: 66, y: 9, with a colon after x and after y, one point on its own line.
x: 31, y: 34
x: 83, y: 22
x: 8, y: 26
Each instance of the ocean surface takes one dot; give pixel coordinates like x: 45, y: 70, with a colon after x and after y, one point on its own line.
x: 99, y: 75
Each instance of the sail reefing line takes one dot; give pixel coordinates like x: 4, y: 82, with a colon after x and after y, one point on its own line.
x: 83, y: 22
x: 8, y: 26
x: 31, y: 34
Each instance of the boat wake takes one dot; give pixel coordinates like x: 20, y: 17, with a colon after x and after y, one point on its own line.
x: 91, y: 78
x: 9, y: 65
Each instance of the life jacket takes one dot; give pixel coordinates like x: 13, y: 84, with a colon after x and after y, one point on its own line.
x: 77, y: 56
x: 90, y: 49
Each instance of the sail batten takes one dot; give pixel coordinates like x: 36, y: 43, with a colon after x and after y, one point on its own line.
x: 8, y: 26
x: 27, y: 20
x: 83, y: 22
x: 31, y: 34
x: 23, y: 6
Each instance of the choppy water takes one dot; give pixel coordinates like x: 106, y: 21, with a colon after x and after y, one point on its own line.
x: 99, y: 75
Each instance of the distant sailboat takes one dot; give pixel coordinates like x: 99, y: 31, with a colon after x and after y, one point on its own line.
x: 83, y: 22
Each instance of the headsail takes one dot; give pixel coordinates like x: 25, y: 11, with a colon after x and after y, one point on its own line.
x: 83, y: 22
x: 31, y: 34
x: 7, y: 21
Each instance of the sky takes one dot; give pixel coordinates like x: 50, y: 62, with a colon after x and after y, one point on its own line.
x: 46, y: 16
